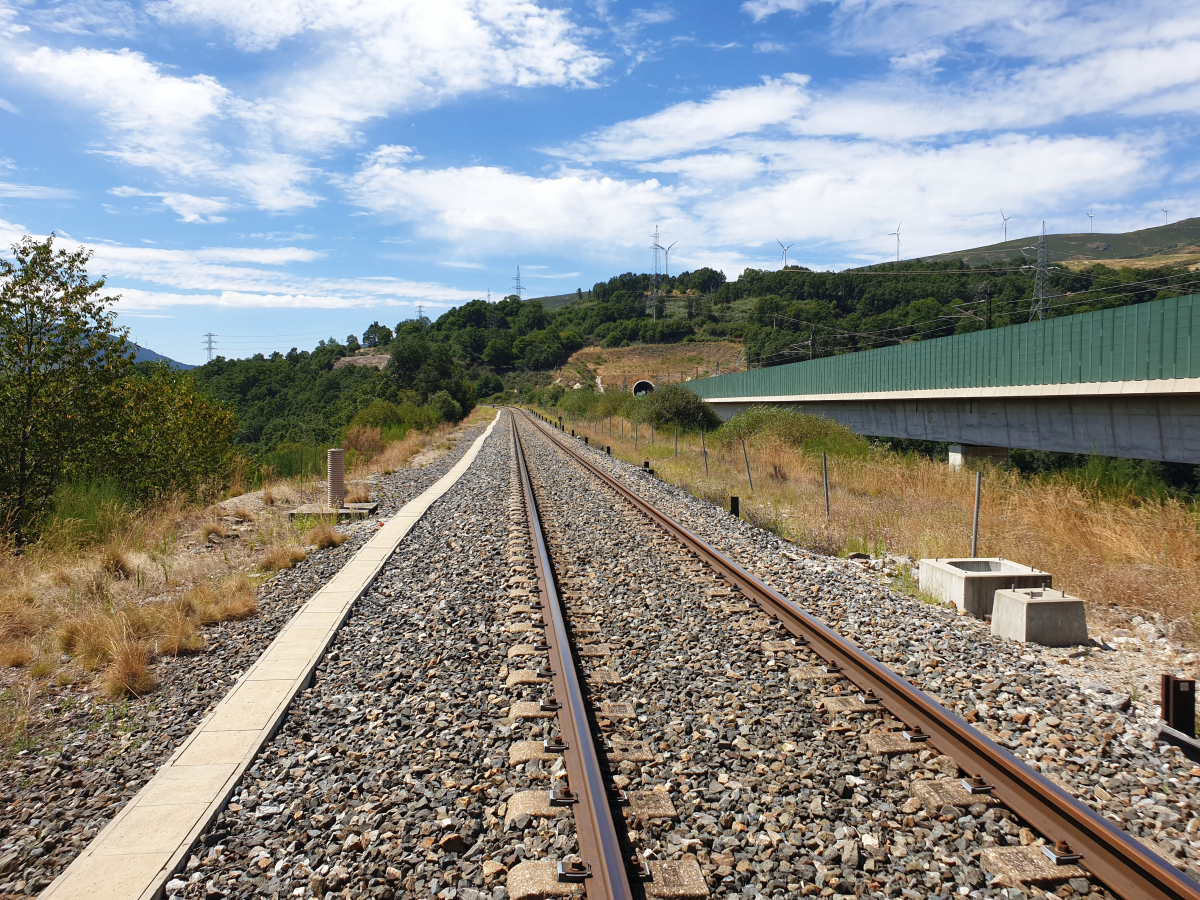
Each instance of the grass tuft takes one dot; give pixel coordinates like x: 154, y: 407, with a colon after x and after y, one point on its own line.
x: 116, y: 563
x: 280, y: 558
x: 357, y: 493
x: 324, y: 536
x: 15, y: 654
x: 129, y: 673
x: 209, y: 528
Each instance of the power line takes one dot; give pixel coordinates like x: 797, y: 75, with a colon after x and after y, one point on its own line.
x: 209, y: 344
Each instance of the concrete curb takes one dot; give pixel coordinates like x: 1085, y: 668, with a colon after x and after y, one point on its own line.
x: 150, y: 838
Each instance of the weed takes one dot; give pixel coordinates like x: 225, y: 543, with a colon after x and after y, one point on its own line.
x: 42, y: 666
x: 268, y: 496
x: 243, y: 514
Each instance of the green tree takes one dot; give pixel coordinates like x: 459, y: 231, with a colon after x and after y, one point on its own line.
x: 170, y: 436
x: 61, y: 357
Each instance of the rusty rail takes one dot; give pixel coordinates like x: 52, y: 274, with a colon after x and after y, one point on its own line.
x: 599, y: 844
x: 1121, y: 863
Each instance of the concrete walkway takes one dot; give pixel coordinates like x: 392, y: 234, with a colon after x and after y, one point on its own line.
x: 150, y: 838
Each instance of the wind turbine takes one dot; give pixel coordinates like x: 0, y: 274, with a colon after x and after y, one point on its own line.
x: 667, y: 258
x: 785, y: 250
x: 1090, y: 217
x: 896, y: 233
x: 1165, y: 211
x: 1005, y: 218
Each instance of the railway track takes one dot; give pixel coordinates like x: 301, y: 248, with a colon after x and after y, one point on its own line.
x: 912, y: 721
x: 577, y: 695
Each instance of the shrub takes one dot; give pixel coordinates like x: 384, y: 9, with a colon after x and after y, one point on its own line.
x: 364, y: 438
x: 793, y: 429
x: 673, y: 404
x: 447, y: 407
x: 377, y: 414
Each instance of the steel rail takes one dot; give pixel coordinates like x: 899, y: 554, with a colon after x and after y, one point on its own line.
x: 599, y: 844
x: 1122, y: 864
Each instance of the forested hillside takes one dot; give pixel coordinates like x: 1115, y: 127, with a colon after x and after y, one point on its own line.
x: 474, y: 350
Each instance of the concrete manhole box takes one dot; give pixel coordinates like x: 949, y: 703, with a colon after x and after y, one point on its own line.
x: 971, y: 584
x: 1050, y: 618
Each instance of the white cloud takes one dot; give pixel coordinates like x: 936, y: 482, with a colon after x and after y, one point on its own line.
x: 188, y: 207
x: 490, y: 208
x: 371, y: 58
x: 760, y: 9
x: 692, y: 125
x: 769, y: 47
x: 361, y: 60
x: 923, y: 62
x: 34, y: 192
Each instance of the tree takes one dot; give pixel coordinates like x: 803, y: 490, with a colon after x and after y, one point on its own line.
x: 377, y: 335
x: 61, y: 357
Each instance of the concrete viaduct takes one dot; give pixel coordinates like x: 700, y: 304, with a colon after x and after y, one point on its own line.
x: 1118, y: 382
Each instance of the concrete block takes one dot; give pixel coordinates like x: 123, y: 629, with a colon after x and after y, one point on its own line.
x: 964, y: 454
x: 1047, y: 617
x: 971, y: 584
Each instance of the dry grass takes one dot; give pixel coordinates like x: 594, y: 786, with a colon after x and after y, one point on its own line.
x: 357, y: 493
x: 282, y: 557
x: 268, y: 496
x: 211, y: 527
x: 242, y: 514
x: 129, y: 672
x: 14, y: 654
x: 116, y: 563
x: 1141, y: 556
x: 324, y: 536
x: 395, y: 455
x: 235, y: 598
x: 364, y: 439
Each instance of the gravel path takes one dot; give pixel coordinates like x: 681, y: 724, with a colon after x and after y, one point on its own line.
x: 94, y: 755
x: 1095, y: 743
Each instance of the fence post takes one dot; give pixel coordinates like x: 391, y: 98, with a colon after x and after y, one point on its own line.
x: 635, y: 435
x: 825, y: 478
x: 747, y: 461
x: 704, y: 451
x: 975, y: 527
x: 677, y: 442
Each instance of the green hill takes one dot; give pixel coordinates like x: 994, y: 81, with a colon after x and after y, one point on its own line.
x: 1161, y: 245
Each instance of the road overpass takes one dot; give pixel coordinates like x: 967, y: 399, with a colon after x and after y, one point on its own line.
x: 1118, y: 382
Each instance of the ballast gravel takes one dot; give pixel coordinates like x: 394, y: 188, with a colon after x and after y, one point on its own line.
x: 94, y: 755
x: 1097, y: 744
x: 391, y: 776
x: 770, y: 793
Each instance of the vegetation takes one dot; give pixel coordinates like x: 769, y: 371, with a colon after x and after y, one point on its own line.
x: 74, y: 408
x: 1121, y: 552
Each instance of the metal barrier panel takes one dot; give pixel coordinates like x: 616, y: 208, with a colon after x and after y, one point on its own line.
x: 1147, y: 341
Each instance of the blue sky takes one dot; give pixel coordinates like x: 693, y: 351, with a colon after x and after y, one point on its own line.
x: 276, y: 171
